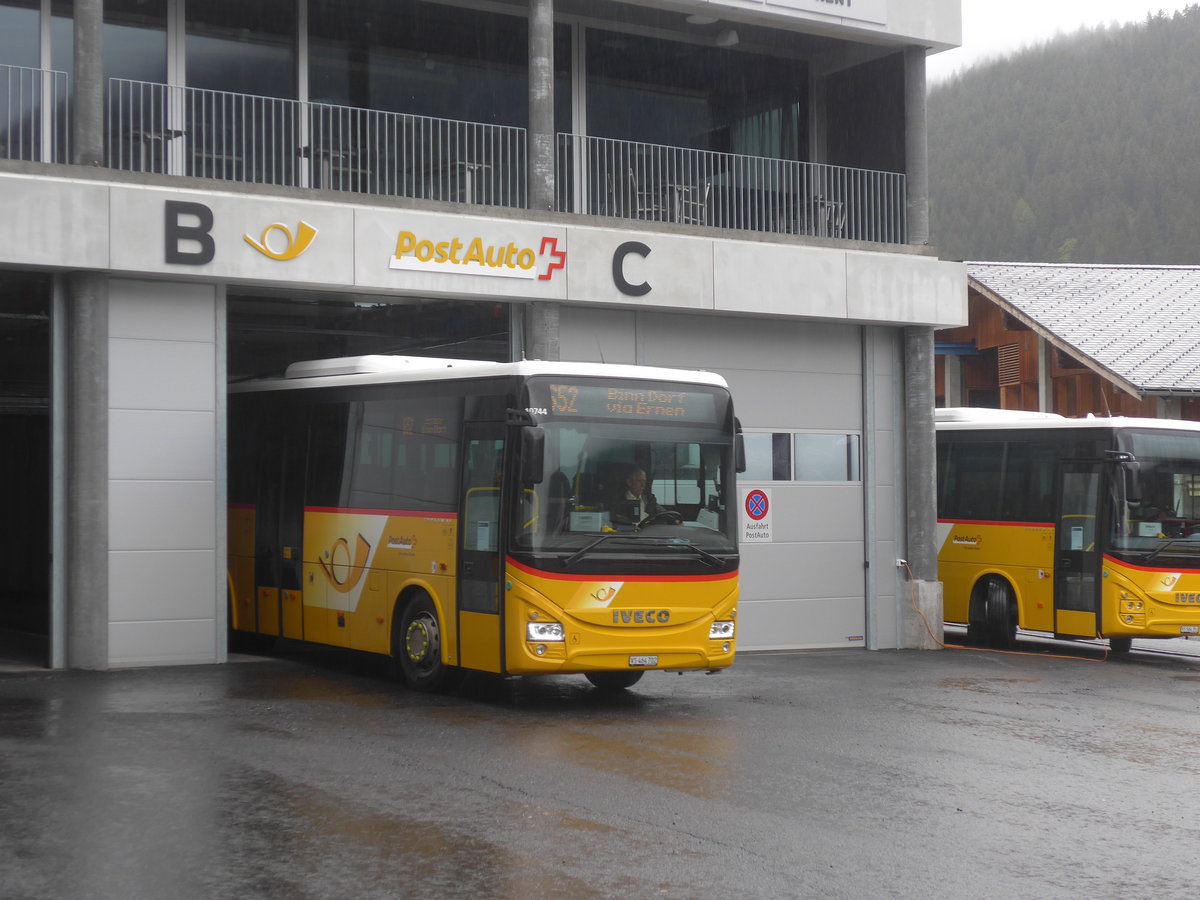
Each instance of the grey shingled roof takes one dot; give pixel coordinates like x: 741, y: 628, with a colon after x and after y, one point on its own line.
x: 1140, y: 322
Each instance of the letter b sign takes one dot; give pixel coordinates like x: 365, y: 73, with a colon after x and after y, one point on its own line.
x: 187, y: 231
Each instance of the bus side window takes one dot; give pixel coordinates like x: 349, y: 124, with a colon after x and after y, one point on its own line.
x: 974, y: 479
x: 1028, y: 482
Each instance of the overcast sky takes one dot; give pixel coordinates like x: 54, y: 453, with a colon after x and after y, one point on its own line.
x: 993, y: 28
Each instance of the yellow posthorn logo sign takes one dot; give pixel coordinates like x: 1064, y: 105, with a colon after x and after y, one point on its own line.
x: 342, y: 572
x: 294, y: 246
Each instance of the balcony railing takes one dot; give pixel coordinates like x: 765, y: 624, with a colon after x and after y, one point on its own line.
x: 34, y: 114
x: 265, y: 140
x: 727, y: 190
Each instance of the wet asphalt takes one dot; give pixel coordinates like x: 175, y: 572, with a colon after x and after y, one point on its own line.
x: 823, y: 774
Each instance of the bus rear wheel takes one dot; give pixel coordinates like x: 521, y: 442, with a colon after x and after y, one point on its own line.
x: 993, y: 615
x: 613, y: 681
x: 417, y: 647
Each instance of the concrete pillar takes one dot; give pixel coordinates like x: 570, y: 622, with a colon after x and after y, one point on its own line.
x: 541, y: 104
x: 87, y: 100
x: 1045, y: 384
x: 541, y: 331
x: 86, y: 462
x: 924, y: 592
x: 952, y: 373
x: 916, y: 145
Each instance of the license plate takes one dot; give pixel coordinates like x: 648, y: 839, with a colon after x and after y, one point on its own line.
x: 1189, y: 629
x: 643, y: 660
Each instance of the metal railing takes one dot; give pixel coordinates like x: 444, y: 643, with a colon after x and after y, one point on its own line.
x: 34, y: 114
x: 630, y: 180
x: 267, y: 140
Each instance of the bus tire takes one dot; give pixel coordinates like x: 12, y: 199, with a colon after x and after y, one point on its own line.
x: 613, y: 681
x: 1000, y: 613
x: 417, y: 647
x: 1120, y: 644
x: 992, y: 615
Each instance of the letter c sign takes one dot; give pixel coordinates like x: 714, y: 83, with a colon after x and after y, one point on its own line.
x: 618, y: 268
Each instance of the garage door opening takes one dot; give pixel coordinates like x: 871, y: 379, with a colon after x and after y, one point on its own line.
x: 25, y: 466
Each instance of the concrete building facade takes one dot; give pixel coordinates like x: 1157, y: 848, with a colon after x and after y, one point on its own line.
x: 732, y: 186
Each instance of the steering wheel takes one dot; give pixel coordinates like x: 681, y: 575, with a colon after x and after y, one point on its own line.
x: 667, y: 515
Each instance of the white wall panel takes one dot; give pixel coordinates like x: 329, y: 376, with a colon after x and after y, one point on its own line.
x: 162, y: 444
x: 159, y: 643
x: 161, y: 311
x: 169, y: 585
x: 161, y: 515
x: 590, y: 334
x: 777, y: 400
x: 801, y: 624
x: 161, y: 375
x: 779, y: 571
x: 760, y: 344
x: 164, y: 399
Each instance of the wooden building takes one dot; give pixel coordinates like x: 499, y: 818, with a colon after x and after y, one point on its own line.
x: 1076, y: 339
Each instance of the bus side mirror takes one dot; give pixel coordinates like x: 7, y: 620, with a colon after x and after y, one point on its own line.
x: 1131, y: 472
x: 739, y: 448
x: 533, y: 454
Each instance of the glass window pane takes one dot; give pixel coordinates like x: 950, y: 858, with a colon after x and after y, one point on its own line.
x: 827, y: 457
x: 246, y: 48
x: 768, y: 457
x: 420, y: 58
x: 135, y: 40
x: 697, y: 96
x: 19, y: 33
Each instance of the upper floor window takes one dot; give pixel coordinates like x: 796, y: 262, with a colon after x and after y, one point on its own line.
x: 245, y: 48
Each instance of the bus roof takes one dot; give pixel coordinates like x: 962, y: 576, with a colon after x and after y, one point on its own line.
x: 382, y: 369
x: 978, y: 419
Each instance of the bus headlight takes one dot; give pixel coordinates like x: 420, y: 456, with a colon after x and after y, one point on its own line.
x: 720, y: 630
x: 544, y: 631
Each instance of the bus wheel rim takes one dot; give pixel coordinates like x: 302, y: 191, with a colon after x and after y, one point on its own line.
x: 421, y: 639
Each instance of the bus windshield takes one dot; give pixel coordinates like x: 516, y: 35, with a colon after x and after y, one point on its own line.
x: 615, y: 482
x: 1165, y: 518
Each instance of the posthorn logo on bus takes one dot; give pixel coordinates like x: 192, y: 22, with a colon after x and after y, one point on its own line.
x: 475, y: 256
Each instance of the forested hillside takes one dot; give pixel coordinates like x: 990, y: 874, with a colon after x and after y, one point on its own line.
x: 1084, y: 149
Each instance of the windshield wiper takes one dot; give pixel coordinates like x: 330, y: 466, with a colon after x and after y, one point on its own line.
x: 672, y: 543
x: 583, y: 551
x: 711, y: 558
x: 1157, y: 550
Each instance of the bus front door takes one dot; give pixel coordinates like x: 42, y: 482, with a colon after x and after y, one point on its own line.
x: 480, y: 564
x: 1076, y: 549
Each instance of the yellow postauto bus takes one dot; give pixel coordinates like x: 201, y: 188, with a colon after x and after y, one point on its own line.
x: 458, y: 515
x: 1078, y: 528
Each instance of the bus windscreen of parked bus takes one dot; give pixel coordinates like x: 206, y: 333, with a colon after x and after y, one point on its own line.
x: 1162, y: 519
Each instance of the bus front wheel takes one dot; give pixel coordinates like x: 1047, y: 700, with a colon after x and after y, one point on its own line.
x: 993, y: 614
x: 1120, y: 644
x: 613, y: 681
x: 417, y: 647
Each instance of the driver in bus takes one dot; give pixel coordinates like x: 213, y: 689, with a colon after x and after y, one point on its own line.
x: 637, y: 503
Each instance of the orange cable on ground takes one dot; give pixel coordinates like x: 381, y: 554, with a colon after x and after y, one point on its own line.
x: 917, y: 609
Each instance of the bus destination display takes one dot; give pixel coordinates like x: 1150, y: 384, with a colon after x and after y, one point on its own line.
x: 612, y: 401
